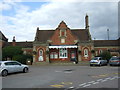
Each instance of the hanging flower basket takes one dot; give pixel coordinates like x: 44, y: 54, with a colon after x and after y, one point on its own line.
x: 92, y: 51
x: 34, y: 52
x: 79, y: 51
x: 47, y: 52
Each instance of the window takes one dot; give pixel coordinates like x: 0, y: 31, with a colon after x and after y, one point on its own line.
x: 62, y: 33
x: 53, y: 55
x: 15, y: 63
x: 86, y: 53
x: 63, y: 53
x: 41, y: 55
x: 8, y: 63
x: 62, y: 40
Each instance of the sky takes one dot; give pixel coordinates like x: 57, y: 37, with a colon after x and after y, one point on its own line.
x: 21, y: 18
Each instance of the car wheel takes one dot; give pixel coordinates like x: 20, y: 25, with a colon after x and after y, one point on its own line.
x: 111, y: 65
x: 91, y: 65
x: 4, y: 73
x: 100, y: 64
x: 25, y: 70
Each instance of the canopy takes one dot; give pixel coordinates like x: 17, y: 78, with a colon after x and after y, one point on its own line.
x: 69, y: 46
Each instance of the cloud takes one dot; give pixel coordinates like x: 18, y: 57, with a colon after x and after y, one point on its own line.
x: 25, y: 21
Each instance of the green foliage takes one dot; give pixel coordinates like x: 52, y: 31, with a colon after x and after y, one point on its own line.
x: 106, y: 55
x: 10, y: 51
x: 92, y: 51
x: 22, y: 58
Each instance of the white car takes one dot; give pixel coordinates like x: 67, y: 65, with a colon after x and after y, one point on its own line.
x: 98, y: 61
x: 11, y: 67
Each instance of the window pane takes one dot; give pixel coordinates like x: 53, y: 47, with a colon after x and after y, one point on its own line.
x: 63, y: 53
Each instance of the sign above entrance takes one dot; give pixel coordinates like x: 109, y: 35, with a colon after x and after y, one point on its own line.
x: 69, y: 46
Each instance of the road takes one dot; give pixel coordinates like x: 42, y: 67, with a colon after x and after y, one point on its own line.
x: 68, y: 77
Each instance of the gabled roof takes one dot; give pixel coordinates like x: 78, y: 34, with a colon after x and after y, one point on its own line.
x: 23, y: 44
x: 82, y: 34
x: 103, y: 43
x: 44, y: 35
x: 2, y: 37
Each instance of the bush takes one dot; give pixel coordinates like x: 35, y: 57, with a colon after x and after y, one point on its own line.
x: 22, y: 58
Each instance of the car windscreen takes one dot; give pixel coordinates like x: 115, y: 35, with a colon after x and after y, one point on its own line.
x: 95, y: 58
x: 115, y: 58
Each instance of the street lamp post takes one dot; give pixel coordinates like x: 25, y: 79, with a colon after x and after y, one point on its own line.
x: 108, y: 33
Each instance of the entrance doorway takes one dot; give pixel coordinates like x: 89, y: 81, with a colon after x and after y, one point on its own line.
x: 73, y: 56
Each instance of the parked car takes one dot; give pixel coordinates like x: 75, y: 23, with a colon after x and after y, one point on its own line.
x: 11, y: 67
x: 114, y: 61
x: 98, y: 61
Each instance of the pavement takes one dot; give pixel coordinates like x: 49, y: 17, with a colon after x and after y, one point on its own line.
x: 66, y: 77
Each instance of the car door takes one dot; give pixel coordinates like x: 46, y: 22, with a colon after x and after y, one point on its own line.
x: 101, y: 60
x: 18, y: 66
x: 9, y: 66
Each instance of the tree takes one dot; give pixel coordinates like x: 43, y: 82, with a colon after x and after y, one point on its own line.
x: 106, y: 55
x: 10, y: 51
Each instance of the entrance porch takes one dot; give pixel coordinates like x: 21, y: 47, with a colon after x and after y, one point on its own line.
x: 63, y: 53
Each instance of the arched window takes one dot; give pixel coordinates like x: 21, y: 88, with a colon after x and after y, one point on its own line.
x: 40, y: 55
x: 85, y: 52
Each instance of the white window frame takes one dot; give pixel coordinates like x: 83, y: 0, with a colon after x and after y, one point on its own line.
x: 41, y: 55
x: 62, y: 40
x: 85, y: 52
x: 62, y: 31
x: 53, y: 55
x: 63, y: 53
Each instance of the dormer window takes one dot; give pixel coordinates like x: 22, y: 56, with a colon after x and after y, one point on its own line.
x: 62, y: 33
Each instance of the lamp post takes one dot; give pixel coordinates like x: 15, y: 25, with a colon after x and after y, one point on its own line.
x: 108, y: 33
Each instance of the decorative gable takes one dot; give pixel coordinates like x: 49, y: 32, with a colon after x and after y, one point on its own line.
x: 63, y: 35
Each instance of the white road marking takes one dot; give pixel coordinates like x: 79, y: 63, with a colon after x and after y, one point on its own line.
x: 87, y: 85
x: 91, y: 82
x: 112, y: 78
x: 82, y: 84
x: 103, y: 80
x: 96, y: 83
x: 99, y: 79
x: 68, y: 72
x: 116, y: 77
x: 71, y: 87
x: 58, y: 71
x: 107, y: 78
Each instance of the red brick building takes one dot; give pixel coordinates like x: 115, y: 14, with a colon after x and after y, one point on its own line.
x: 65, y: 45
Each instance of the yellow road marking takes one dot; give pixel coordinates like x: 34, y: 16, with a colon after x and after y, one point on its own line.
x: 57, y: 86
x: 104, y: 75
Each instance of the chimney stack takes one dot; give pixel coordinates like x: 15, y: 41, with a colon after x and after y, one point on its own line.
x: 86, y: 22
x: 14, y: 41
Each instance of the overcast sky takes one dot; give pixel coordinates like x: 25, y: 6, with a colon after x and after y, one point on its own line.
x: 21, y: 19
